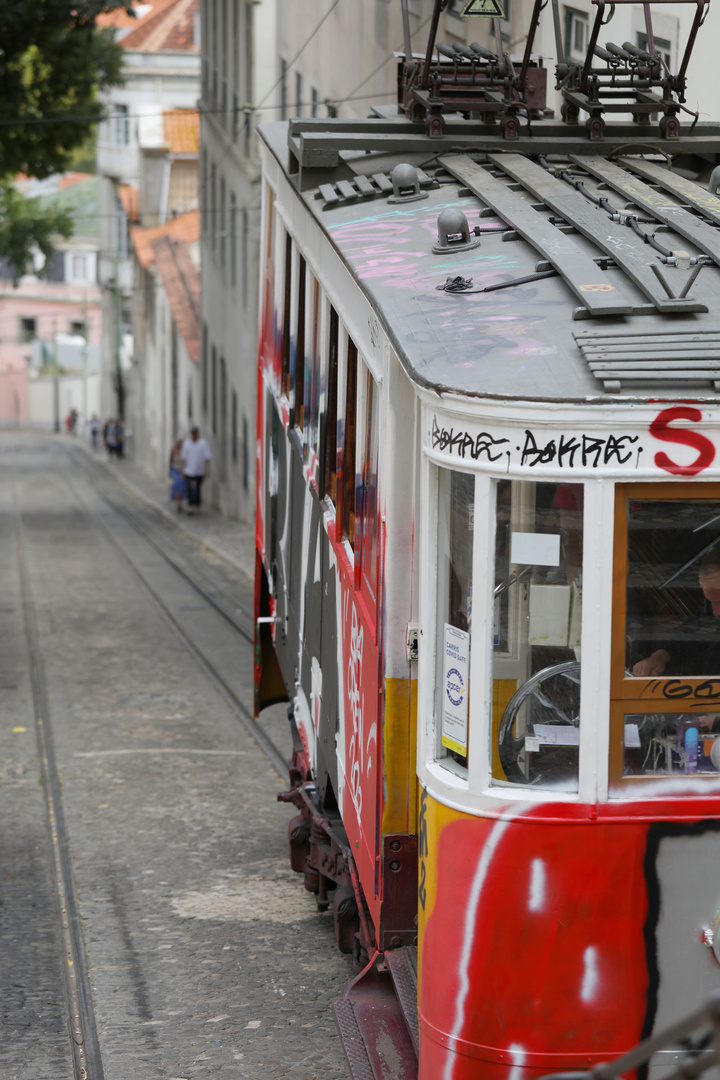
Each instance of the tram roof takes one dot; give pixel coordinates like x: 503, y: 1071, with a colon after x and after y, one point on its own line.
x: 616, y: 320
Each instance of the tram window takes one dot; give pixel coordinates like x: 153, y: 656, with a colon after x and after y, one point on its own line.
x: 346, y: 500
x: 536, y: 634
x: 328, y: 434
x: 672, y: 597
x: 369, y: 480
x: 456, y: 501
x: 666, y: 659
x: 268, y: 329
x: 311, y: 396
x: 298, y: 387
x: 285, y: 346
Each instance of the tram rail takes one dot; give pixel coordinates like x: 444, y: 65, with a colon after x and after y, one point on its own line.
x: 234, y: 605
x: 237, y: 706
x: 87, y: 1058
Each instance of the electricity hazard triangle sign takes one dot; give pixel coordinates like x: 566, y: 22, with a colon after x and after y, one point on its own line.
x: 491, y: 8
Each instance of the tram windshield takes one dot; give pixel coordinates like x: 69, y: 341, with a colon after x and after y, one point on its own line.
x: 672, y: 637
x: 537, y: 634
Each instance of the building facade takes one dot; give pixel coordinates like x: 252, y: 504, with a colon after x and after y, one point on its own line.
x: 162, y: 71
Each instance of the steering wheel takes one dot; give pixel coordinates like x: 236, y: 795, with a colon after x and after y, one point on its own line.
x: 553, y: 693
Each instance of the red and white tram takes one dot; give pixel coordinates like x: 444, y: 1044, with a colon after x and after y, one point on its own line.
x: 488, y: 573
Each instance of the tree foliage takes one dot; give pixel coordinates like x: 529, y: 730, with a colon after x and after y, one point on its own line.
x: 27, y: 225
x: 54, y: 60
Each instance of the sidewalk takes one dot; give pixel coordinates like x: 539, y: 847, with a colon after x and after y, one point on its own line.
x: 230, y: 540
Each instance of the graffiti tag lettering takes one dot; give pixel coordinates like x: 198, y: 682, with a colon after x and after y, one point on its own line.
x: 461, y: 443
x: 590, y: 451
x: 355, y: 699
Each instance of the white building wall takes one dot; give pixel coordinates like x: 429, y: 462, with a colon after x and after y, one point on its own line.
x: 154, y: 82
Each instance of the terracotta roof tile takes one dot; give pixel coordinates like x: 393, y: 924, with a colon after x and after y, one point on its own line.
x: 169, y: 25
x: 129, y: 197
x: 159, y: 24
x: 182, y: 131
x: 181, y: 281
x: 184, y: 228
x: 68, y: 179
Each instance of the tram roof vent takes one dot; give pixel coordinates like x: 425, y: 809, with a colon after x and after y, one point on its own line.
x: 406, y: 185
x: 644, y: 360
x: 453, y: 233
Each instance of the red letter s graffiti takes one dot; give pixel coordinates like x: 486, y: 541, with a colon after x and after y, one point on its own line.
x: 661, y: 429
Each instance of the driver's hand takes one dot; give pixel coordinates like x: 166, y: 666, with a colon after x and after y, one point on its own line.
x: 652, y: 665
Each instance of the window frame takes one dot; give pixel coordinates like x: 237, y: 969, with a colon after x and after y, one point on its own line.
x: 638, y: 694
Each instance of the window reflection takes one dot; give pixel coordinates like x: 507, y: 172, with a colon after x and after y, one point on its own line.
x: 537, y: 634
x: 673, y: 587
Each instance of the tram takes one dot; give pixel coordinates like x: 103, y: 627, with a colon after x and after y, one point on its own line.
x: 488, y: 553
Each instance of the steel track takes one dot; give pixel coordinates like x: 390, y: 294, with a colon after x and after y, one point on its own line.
x: 87, y: 1059
x: 243, y: 714
x: 134, y: 521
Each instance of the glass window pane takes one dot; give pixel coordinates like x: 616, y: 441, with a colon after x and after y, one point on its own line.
x: 370, y: 470
x: 536, y: 634
x: 456, y: 501
x: 663, y: 744
x: 673, y: 587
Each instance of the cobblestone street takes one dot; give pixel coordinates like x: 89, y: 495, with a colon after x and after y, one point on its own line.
x: 205, y: 955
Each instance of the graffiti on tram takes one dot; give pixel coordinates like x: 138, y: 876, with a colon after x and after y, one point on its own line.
x: 588, y: 451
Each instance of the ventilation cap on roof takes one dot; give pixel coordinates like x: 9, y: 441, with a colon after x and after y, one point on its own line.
x: 406, y: 185
x: 454, y: 233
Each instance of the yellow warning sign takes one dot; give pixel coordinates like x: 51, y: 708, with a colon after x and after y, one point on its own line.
x: 490, y: 8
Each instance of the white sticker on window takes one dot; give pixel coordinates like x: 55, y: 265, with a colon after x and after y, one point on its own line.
x: 456, y: 668
x: 535, y: 549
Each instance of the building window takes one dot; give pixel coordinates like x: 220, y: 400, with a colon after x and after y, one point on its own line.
x: 28, y: 329
x: 79, y: 268
x: 121, y: 126
x: 233, y: 240
x: 77, y: 329
x: 205, y: 369
x: 283, y: 90
x: 663, y: 48
x: 249, y: 70
x: 213, y: 206
x: 576, y: 35
x: 222, y: 222
x: 204, y: 194
x: 298, y: 93
x: 234, y: 425
x: 245, y: 456
x: 245, y: 257
x: 213, y: 391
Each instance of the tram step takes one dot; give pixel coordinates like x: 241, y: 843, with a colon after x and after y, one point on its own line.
x: 374, y: 1030
x: 402, y: 965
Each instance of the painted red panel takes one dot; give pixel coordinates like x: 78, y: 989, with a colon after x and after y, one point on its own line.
x: 361, y: 738
x: 534, y: 953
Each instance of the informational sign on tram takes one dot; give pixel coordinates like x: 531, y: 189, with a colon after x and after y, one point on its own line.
x: 456, y: 674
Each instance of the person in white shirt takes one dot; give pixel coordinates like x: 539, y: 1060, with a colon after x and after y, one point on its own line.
x: 196, y: 458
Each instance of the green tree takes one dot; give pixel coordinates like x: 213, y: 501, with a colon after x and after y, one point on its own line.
x: 54, y: 60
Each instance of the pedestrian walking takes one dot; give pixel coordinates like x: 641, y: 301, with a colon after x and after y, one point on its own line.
x: 196, y: 458
x: 178, y: 487
x: 94, y: 431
